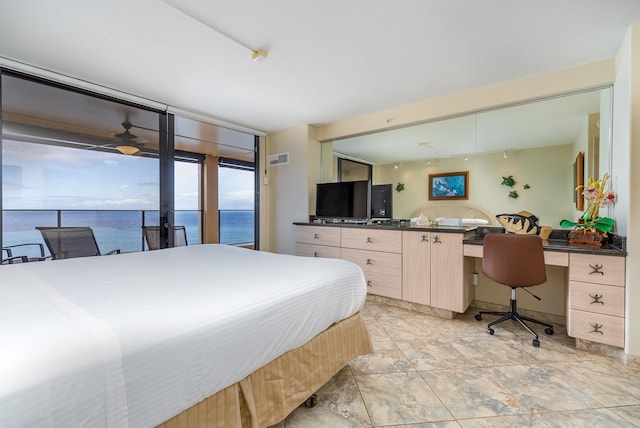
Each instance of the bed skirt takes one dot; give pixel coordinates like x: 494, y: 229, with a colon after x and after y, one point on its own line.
x: 269, y: 394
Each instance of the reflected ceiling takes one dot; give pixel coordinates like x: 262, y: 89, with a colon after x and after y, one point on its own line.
x: 549, y: 122
x: 46, y: 114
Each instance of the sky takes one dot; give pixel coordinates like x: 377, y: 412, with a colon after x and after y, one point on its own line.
x: 39, y: 176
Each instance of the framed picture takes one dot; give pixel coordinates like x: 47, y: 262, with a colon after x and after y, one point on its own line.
x: 449, y: 186
x: 578, y: 181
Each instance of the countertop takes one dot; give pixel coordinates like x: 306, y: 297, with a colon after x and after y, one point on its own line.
x: 557, y: 241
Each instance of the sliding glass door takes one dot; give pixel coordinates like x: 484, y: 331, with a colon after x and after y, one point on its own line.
x: 75, y: 159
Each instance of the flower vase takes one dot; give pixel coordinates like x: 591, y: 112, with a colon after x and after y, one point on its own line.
x: 587, y: 238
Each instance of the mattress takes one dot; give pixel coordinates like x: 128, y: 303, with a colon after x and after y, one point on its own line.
x: 134, y: 339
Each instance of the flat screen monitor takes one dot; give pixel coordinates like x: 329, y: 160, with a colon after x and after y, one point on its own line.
x: 346, y: 199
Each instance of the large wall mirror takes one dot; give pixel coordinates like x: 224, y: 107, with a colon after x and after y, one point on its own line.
x: 535, y: 143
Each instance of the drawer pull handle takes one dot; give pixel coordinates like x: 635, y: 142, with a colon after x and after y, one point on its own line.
x: 436, y: 240
x: 596, y: 299
x: 369, y: 284
x: 369, y: 262
x: 369, y: 240
x: 424, y: 238
x: 596, y: 269
x: 315, y: 254
x: 315, y: 236
x: 596, y: 328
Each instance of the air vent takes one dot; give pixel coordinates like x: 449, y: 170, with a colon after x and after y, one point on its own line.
x: 279, y: 159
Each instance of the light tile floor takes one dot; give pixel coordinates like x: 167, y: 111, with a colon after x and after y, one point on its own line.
x: 431, y: 372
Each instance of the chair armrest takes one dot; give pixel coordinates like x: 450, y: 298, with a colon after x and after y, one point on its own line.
x: 41, y: 247
x: 10, y: 260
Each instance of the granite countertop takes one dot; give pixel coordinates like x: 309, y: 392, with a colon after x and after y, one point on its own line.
x: 558, y: 240
x: 390, y: 225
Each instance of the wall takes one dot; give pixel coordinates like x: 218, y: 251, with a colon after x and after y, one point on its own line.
x: 588, y: 76
x: 547, y: 171
x: 626, y: 180
x: 292, y: 185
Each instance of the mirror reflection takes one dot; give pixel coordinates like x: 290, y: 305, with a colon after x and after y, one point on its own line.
x: 535, y: 143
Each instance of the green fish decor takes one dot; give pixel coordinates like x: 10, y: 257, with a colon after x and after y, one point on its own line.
x: 508, y: 181
x: 513, y: 194
x: 526, y: 186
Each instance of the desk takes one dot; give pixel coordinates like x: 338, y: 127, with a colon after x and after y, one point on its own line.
x: 595, y: 288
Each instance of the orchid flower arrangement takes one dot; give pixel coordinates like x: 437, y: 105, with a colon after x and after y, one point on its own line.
x: 597, y: 197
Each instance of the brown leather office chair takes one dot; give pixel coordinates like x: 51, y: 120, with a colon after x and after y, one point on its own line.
x: 516, y: 261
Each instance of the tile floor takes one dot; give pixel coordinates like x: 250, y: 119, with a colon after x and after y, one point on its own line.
x: 431, y: 372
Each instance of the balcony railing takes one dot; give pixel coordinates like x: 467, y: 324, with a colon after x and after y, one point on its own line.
x: 113, y: 229
x: 122, y: 229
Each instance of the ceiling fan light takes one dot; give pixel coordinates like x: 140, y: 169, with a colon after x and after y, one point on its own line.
x: 128, y: 150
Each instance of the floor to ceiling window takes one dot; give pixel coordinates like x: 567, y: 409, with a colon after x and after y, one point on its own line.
x: 72, y: 158
x: 236, y: 196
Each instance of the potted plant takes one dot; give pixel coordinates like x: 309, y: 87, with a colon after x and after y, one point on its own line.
x: 591, y: 229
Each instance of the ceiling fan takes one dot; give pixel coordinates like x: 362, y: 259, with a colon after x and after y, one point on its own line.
x: 127, y: 144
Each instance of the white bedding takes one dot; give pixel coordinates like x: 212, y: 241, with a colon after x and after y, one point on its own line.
x: 131, y: 340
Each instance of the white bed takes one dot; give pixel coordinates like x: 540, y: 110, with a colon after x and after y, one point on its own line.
x: 132, y: 340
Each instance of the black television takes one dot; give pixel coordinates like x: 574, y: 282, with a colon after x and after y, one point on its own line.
x: 346, y: 199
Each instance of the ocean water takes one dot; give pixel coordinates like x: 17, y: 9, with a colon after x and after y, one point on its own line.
x: 121, y: 229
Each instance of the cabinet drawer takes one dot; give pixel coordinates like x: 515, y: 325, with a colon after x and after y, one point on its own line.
x: 597, y: 269
x: 375, y: 261
x: 384, y: 285
x: 308, y: 250
x: 318, y: 235
x: 602, y: 299
x: 596, y: 327
x: 370, y: 239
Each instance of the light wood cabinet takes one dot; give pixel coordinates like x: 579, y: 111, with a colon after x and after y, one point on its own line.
x: 434, y: 270
x: 379, y: 254
x: 318, y: 241
x: 416, y: 266
x: 451, y: 285
x: 596, y: 298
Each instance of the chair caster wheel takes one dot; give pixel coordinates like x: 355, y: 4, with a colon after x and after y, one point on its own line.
x: 536, y: 343
x: 478, y: 317
x: 490, y: 331
x: 311, y: 401
x: 549, y: 331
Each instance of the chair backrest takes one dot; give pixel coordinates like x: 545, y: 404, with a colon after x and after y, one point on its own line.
x: 69, y: 242
x: 514, y: 260
x: 152, y: 236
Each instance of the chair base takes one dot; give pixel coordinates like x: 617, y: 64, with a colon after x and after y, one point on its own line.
x: 520, y: 319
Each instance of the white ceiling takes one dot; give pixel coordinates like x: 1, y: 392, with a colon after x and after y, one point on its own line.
x: 328, y: 60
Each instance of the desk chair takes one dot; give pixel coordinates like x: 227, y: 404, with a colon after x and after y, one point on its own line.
x: 516, y: 261
x: 70, y: 242
x: 152, y: 236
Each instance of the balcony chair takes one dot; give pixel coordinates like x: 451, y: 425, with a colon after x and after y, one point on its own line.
x: 70, y: 242
x: 516, y: 261
x: 24, y: 255
x: 152, y: 236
